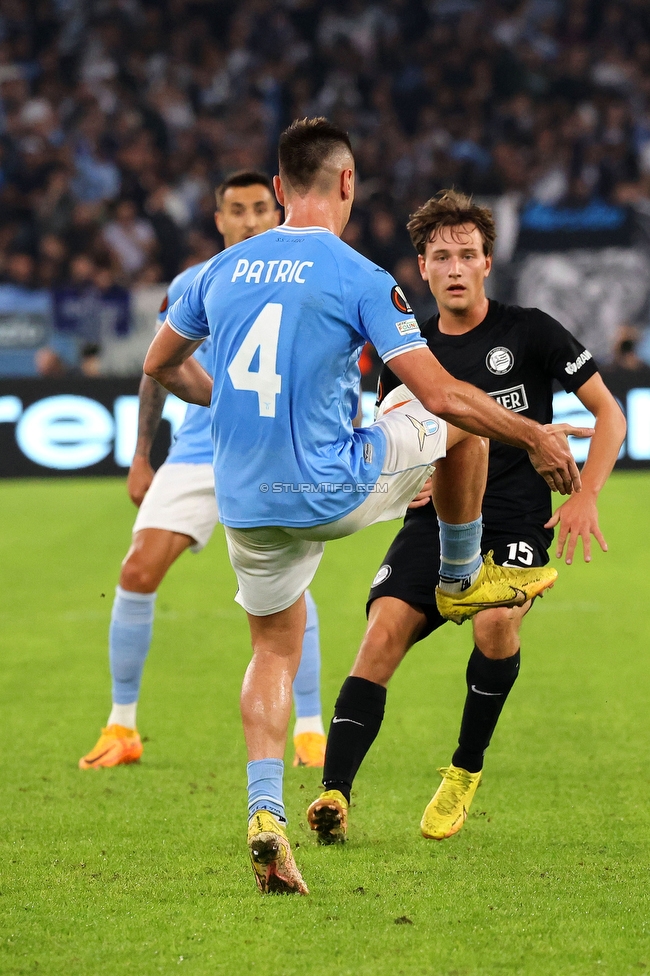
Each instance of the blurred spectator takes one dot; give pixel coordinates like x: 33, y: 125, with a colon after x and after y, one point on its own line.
x: 83, y: 234
x: 130, y: 239
x: 82, y: 271
x: 90, y: 361
x: 49, y: 363
x: 625, y: 350
x: 166, y: 213
x: 96, y: 175
x: 91, y: 308
x: 387, y: 240
x: 53, y: 211
x: 20, y: 271
x: 353, y: 235
x: 112, y: 304
x: 74, y: 302
x: 52, y: 259
x: 19, y: 291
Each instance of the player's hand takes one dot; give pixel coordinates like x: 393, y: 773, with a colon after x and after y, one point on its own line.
x: 423, y: 496
x: 552, y: 457
x: 139, y: 479
x: 578, y: 519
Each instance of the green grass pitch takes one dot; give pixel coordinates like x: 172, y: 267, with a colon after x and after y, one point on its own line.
x: 142, y: 870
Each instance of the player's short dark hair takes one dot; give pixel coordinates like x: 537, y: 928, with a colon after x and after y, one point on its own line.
x: 449, y: 208
x: 304, y: 146
x: 243, y: 177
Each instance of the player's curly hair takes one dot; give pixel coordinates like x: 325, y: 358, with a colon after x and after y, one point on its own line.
x: 449, y: 208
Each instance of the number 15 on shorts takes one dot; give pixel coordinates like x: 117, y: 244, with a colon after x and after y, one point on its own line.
x: 520, y: 552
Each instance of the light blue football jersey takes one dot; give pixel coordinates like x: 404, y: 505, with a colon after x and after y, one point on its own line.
x: 193, y: 441
x: 288, y: 313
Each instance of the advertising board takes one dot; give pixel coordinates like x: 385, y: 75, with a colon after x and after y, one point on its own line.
x: 89, y: 426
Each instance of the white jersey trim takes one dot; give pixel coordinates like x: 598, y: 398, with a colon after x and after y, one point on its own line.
x: 183, y: 334
x: 316, y: 229
x: 398, y: 350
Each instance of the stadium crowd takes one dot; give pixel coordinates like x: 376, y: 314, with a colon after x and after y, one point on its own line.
x: 118, y: 118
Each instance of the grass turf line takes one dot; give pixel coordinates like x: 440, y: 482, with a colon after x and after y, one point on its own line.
x: 142, y: 869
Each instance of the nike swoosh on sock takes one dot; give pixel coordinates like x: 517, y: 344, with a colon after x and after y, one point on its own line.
x: 336, y: 720
x: 491, y: 694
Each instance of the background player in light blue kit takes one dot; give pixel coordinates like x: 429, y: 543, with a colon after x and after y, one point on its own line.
x: 178, y: 511
x: 288, y: 314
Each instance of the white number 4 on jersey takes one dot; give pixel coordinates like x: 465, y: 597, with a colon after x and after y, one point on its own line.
x: 263, y: 335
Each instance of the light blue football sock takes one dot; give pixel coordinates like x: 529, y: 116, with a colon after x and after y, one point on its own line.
x: 306, y: 684
x: 265, y: 787
x: 460, y: 554
x: 129, y: 639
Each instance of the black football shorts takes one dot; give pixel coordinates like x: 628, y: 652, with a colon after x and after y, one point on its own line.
x: 410, y: 568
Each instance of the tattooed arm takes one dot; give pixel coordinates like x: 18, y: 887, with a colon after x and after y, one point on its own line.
x: 152, y: 400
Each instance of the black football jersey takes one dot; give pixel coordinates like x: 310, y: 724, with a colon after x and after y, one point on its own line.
x: 514, y: 355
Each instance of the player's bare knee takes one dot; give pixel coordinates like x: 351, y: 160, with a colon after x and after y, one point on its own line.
x: 387, y: 639
x: 138, y: 575
x: 462, y: 442
x: 376, y: 654
x: 496, y: 632
x: 273, y: 658
x: 385, y: 632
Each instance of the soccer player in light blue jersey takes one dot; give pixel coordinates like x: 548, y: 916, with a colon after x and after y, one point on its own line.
x: 178, y: 510
x: 288, y: 314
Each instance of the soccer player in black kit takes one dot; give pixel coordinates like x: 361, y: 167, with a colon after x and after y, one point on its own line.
x: 515, y: 355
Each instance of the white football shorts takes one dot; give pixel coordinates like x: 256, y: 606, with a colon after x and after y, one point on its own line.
x: 275, y: 565
x: 181, y: 499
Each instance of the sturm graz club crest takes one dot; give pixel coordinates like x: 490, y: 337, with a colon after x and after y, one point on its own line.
x: 499, y: 360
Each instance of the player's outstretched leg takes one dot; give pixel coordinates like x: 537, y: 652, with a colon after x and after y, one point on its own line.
x: 493, y: 586
x: 469, y: 583
x: 308, y: 734
x: 458, y: 484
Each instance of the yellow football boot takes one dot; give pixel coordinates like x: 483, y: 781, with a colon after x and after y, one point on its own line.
x: 496, y: 586
x: 116, y: 746
x: 309, y: 749
x: 328, y: 816
x: 447, y: 811
x: 270, y: 852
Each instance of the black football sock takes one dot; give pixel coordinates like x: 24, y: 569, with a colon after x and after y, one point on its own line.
x: 358, y: 715
x: 488, y: 685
